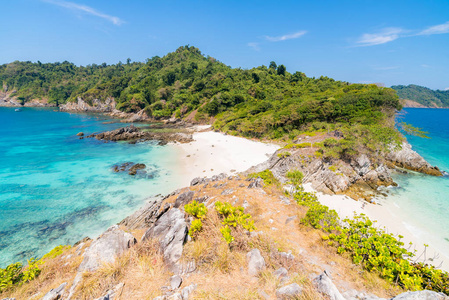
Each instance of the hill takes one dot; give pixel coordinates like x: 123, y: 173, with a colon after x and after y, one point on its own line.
x: 259, y: 102
x: 422, y: 95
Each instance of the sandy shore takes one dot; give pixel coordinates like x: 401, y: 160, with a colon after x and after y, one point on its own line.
x: 387, y: 218
x: 212, y: 153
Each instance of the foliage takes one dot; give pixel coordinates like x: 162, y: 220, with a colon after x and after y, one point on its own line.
x: 371, y: 247
x: 423, y: 95
x: 196, y: 209
x: 267, y: 177
x: 55, y: 252
x: 233, y: 216
x: 318, y: 216
x: 227, y: 235
x: 260, y: 102
x: 16, y: 274
x: 295, y: 177
x: 412, y: 130
x: 383, y: 253
x: 195, y: 227
x: 199, y: 211
x: 284, y: 154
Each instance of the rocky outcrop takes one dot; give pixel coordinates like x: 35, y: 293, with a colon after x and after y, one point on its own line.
x: 171, y: 232
x: 134, y: 134
x: 55, y: 294
x: 146, y: 216
x: 96, y: 106
x: 409, y: 159
x: 106, y: 248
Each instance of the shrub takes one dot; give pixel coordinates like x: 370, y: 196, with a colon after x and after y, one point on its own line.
x: 267, y: 177
x: 295, y: 177
x: 233, y: 216
x: 284, y: 154
x: 198, y: 210
x: 195, y: 227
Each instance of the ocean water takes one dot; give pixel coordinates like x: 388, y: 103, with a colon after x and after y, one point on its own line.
x: 57, y: 189
x: 423, y: 200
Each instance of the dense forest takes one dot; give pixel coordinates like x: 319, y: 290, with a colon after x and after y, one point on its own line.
x: 262, y: 102
x: 423, y: 95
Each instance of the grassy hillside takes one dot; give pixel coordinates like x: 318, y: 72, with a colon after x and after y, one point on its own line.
x: 423, y: 95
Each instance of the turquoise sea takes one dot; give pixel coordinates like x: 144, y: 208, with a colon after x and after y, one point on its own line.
x: 57, y: 189
x: 423, y: 200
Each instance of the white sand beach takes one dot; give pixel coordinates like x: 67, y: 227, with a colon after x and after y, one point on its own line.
x: 212, y: 153
x: 388, y: 219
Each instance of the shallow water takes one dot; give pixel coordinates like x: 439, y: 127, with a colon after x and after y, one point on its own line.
x: 423, y: 200
x: 56, y: 188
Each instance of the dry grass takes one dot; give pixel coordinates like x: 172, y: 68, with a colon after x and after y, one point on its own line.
x: 221, y: 268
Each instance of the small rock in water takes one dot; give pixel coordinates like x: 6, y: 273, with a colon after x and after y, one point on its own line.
x: 80, y: 134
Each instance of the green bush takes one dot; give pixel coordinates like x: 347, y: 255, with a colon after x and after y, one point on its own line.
x: 195, y: 227
x: 233, y: 216
x: 267, y: 177
x: 16, y: 274
x: 196, y: 209
x: 295, y: 177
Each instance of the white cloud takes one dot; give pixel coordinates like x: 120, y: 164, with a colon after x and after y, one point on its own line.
x: 426, y: 66
x: 437, y: 29
x: 446, y: 89
x: 385, y: 36
x: 85, y: 9
x: 255, y: 46
x: 286, y: 37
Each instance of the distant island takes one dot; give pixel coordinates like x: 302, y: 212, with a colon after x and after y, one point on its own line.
x: 419, y: 96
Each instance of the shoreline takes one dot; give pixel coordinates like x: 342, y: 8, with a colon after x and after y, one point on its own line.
x: 386, y: 218
x: 211, y: 153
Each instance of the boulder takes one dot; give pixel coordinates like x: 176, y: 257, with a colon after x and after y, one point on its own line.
x: 175, y: 281
x: 55, y: 294
x: 256, y: 262
x: 280, y: 273
x: 112, y: 243
x: 110, y: 295
x: 171, y: 231
x: 326, y: 287
x: 184, y: 198
x: 291, y: 291
x: 80, y: 134
x: 421, y: 295
x: 133, y: 170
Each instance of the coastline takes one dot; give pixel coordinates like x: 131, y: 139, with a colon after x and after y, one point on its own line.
x: 212, y: 153
x: 387, y: 217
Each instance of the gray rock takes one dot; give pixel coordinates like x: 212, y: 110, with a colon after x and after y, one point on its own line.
x: 184, y: 198
x: 56, y: 293
x: 421, y: 295
x: 280, y: 273
x: 112, y: 243
x: 171, y: 231
x: 187, y: 291
x: 409, y: 159
x: 147, y: 215
x: 219, y: 177
x: 227, y: 192
x: 256, y: 183
x: 245, y: 204
x: 290, y: 219
x: 326, y: 287
x: 356, y: 295
x: 175, y: 281
x: 291, y: 291
x: 197, y: 181
x: 256, y: 262
x: 286, y: 256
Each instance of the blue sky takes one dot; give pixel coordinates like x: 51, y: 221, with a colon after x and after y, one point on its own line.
x: 390, y: 42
